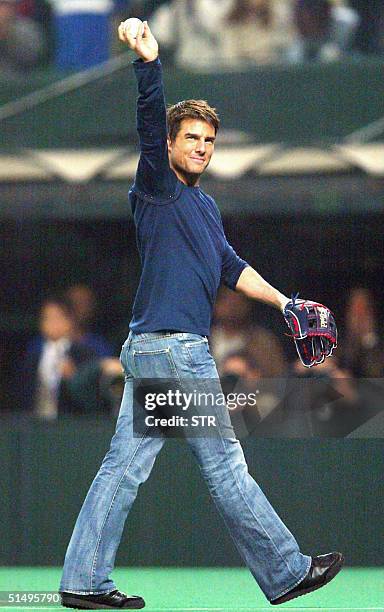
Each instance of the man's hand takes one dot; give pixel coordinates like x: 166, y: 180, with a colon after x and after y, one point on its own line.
x: 144, y: 45
x: 111, y: 366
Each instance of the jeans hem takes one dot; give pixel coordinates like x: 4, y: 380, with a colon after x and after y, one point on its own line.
x: 86, y: 592
x: 295, y: 584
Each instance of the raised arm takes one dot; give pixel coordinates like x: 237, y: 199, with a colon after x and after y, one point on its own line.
x: 153, y: 175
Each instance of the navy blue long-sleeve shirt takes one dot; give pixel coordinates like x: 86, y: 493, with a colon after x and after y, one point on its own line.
x: 183, y: 249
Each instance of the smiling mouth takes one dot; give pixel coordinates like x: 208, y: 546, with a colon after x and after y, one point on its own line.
x: 199, y: 160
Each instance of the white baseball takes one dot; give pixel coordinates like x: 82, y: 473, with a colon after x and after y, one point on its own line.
x: 132, y: 26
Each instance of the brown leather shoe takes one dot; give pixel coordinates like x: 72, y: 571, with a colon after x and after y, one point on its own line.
x: 322, y: 570
x: 113, y: 600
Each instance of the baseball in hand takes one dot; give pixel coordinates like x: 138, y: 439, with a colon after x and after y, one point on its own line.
x: 132, y: 26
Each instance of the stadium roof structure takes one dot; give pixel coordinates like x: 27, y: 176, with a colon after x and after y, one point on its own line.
x: 229, y: 162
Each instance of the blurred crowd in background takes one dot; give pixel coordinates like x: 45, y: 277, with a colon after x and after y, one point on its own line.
x: 194, y: 34
x: 70, y: 368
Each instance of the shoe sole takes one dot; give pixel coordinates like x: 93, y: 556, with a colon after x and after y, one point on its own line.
x: 332, y: 572
x: 74, y: 602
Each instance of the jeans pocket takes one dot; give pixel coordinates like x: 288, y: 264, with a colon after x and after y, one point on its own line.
x: 157, y: 363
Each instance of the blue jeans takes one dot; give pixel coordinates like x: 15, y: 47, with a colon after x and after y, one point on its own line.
x: 264, y: 542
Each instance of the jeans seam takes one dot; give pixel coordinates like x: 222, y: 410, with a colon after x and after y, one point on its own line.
x: 192, y: 365
x: 124, y: 350
x: 250, y: 509
x: 188, y: 346
x: 93, y: 568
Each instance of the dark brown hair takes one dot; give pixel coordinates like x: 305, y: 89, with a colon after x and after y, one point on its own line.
x: 190, y: 109
x: 61, y: 301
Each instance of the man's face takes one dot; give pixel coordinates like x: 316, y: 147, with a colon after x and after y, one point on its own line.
x: 54, y: 322
x: 191, y: 151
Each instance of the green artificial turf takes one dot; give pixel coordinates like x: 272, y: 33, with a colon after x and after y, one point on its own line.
x: 197, y: 589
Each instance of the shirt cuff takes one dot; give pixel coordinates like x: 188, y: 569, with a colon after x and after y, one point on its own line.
x: 140, y: 64
x: 231, y: 280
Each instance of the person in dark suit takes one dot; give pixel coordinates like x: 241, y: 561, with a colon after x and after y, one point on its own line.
x: 51, y: 361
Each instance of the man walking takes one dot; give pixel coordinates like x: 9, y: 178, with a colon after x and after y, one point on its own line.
x: 185, y: 256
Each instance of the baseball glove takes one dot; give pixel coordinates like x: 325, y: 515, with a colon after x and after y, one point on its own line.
x: 313, y: 330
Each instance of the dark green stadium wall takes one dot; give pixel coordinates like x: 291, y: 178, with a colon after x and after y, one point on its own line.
x: 329, y: 492
x: 296, y: 104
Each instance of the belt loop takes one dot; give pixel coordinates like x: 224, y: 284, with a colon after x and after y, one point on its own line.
x: 129, y: 339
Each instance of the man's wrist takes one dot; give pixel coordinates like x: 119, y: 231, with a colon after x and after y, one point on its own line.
x: 152, y: 59
x: 283, y: 301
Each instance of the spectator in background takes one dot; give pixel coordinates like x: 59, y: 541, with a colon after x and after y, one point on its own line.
x: 369, y: 36
x: 324, y: 29
x: 265, y: 348
x: 40, y: 12
x: 336, y: 394
x: 313, y: 21
x: 362, y: 354
x: 84, y: 305
x: 61, y: 375
x: 225, y: 34
x: 240, y: 366
x: 51, y: 360
x: 203, y: 20
x: 239, y: 380
x: 231, y: 324
x: 21, y: 41
x: 137, y: 8
x: 329, y: 397
x: 242, y: 33
x: 233, y: 330
x: 26, y: 8
x: 266, y: 409
x: 345, y: 21
x: 257, y: 32
x: 81, y: 32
